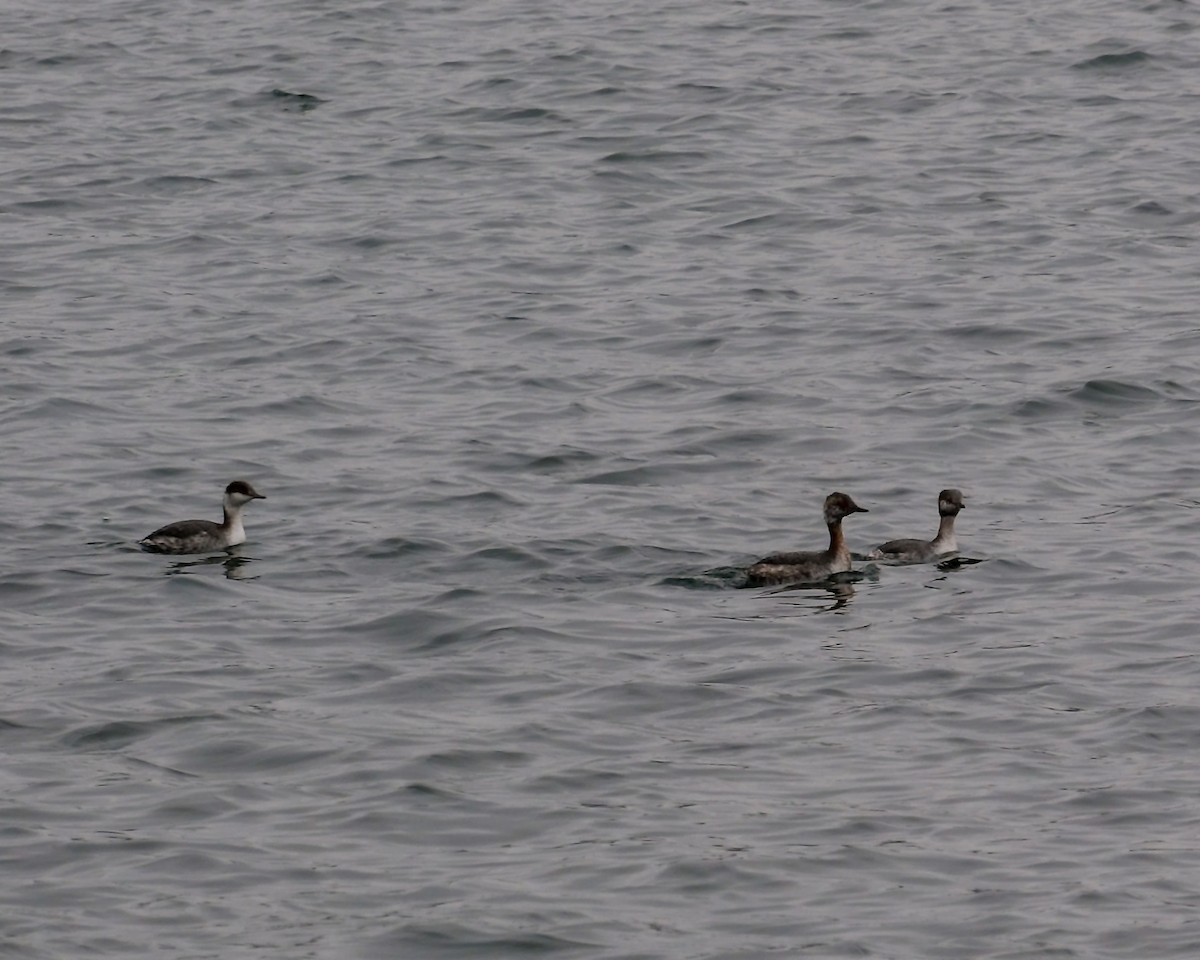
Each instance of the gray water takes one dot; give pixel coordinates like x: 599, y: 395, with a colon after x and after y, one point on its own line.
x: 534, y: 322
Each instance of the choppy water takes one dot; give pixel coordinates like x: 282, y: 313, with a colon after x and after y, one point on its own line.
x: 530, y: 319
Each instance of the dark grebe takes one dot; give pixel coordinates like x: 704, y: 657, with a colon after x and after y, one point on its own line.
x: 202, y: 536
x: 810, y: 565
x: 926, y: 551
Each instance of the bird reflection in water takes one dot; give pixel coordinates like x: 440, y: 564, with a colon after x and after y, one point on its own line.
x: 838, y: 588
x: 236, y: 566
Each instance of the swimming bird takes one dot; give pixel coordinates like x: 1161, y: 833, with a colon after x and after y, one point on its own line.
x: 203, y: 536
x: 810, y: 565
x: 926, y: 551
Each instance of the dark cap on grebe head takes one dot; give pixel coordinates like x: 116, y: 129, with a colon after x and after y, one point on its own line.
x: 839, y: 505
x: 242, y: 488
x: 950, y: 501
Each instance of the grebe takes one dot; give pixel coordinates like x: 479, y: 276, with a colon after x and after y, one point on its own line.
x: 810, y: 565
x: 926, y: 551
x: 202, y: 536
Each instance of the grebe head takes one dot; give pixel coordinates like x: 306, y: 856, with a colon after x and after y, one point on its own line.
x: 950, y: 502
x: 839, y: 505
x: 240, y: 492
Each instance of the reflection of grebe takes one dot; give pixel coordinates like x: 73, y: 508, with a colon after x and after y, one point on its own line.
x: 201, y: 536
x: 926, y: 551
x: 810, y: 565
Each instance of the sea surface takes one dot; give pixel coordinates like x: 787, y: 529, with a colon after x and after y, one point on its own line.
x: 536, y: 322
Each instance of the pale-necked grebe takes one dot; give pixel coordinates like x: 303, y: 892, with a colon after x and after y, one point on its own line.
x: 201, y: 536
x: 926, y: 551
x: 810, y: 565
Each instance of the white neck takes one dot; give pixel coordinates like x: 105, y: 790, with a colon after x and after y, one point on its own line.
x: 233, y: 522
x: 946, y: 541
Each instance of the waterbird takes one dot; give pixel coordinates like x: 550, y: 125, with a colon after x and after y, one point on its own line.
x: 926, y: 551
x: 203, y: 536
x: 810, y: 565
